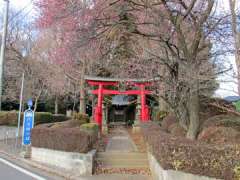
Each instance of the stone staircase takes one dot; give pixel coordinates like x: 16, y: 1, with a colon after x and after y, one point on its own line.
x: 122, y: 160
x: 121, y: 156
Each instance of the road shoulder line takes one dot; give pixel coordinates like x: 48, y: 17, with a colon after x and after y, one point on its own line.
x: 21, y: 169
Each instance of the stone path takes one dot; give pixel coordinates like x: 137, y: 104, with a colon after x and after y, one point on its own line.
x: 120, y: 141
x: 121, y: 154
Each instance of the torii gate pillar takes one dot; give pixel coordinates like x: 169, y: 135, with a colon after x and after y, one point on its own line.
x: 144, y: 116
x: 98, y: 109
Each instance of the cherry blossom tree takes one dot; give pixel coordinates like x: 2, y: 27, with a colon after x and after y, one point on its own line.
x: 74, y: 36
x: 169, y: 42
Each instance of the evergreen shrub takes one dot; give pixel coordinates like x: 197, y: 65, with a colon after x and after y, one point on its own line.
x: 10, y: 118
x: 89, y: 127
x: 63, y: 139
x: 84, y: 118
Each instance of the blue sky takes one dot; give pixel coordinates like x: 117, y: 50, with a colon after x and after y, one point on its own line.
x: 226, y: 88
x: 228, y: 85
x: 24, y: 6
x: 18, y: 4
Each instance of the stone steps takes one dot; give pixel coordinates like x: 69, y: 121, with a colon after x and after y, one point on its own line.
x: 126, y: 165
x: 122, y: 155
x: 126, y: 160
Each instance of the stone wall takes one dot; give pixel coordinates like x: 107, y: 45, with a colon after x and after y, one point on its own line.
x: 8, y: 132
x: 159, y: 173
x: 79, y: 163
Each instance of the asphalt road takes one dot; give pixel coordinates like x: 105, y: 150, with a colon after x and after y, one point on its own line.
x: 10, y: 171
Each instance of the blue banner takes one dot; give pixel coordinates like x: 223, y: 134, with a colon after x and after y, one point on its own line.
x: 28, y: 124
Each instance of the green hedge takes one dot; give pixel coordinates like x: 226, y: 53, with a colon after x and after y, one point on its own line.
x: 89, y: 127
x: 84, y: 118
x: 10, y: 118
x: 3, y: 118
x: 65, y: 124
x: 60, y: 117
x: 43, y: 117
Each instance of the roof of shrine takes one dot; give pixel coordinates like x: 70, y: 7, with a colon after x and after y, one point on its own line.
x: 122, y: 100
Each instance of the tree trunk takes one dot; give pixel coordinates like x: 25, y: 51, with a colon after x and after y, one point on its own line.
x: 193, y: 109
x: 56, y: 105
x: 35, y: 104
x: 163, y: 105
x: 182, y: 115
x: 74, y: 100
x: 93, y: 106
x: 36, y: 101
x: 236, y: 36
x: 82, y: 106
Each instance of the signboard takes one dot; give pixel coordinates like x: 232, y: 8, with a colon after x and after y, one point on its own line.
x: 28, y: 124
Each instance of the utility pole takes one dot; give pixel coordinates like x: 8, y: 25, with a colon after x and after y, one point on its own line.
x: 20, y: 111
x: 20, y: 105
x: 3, y: 47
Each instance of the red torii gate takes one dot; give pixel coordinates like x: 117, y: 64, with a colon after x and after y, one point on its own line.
x: 101, y: 82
